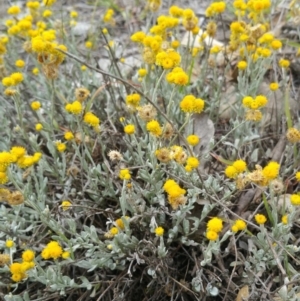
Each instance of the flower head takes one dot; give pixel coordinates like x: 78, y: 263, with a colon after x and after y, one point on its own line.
x: 260, y: 219
x: 28, y: 255
x: 52, y: 250
x: 159, y: 231
x: 212, y: 235
x: 154, y: 128
x: 129, y: 129
x: 9, y: 243
x: 215, y: 224
x: 65, y: 205
x: 124, y: 174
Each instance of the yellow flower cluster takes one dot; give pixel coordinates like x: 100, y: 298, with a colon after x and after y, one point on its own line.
x: 13, y: 80
x: 238, y: 166
x: 168, y: 59
x: 18, y: 270
x: 253, y: 105
x: 175, y: 194
x: 108, y: 17
x: 177, y: 76
x: 239, y: 225
x: 74, y: 107
x: 48, y: 52
x: 191, y: 163
x: 17, y: 155
x: 52, y: 250
x: 91, y: 119
x: 159, y: 46
x: 191, y: 104
x: 190, y: 21
x: 176, y: 153
x: 133, y: 100
x: 215, y: 8
x: 263, y: 176
x: 214, y: 227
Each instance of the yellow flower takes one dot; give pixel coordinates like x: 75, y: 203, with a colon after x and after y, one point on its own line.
x: 15, y: 268
x: 6, y: 159
x: 187, y: 103
x: 240, y: 165
x: 240, y: 224
x: 193, y: 162
x: 61, y: 147
x: 68, y: 136
x: 124, y: 174
x: 231, y: 172
x: 52, y: 250
x: 271, y: 171
x: 65, y: 205
x: 276, y: 44
x: 234, y: 228
x: 284, y: 219
x: 133, y: 99
x: 7, y: 81
x: 212, y: 235
x: 159, y: 231
x: 17, y: 277
x: 260, y: 219
x: 14, y: 10
x: 295, y: 199
x: 242, y: 65
x: 297, y: 176
x: 65, y: 255
x: 215, y: 224
x: 284, y: 63
x: 38, y: 127
x: 73, y: 14
x: 74, y: 107
x: 142, y: 72
x: 28, y: 255
x: 129, y: 129
x: 119, y: 222
x: 18, y: 151
x: 35, y: 105
x: 154, y: 128
x: 192, y: 140
x: 274, y: 86
x: 114, y: 231
x: 3, y: 177
x: 9, y: 243
x: 91, y: 119
x: 20, y: 63
x: 17, y: 77
x: 88, y: 44
x: 198, y: 105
